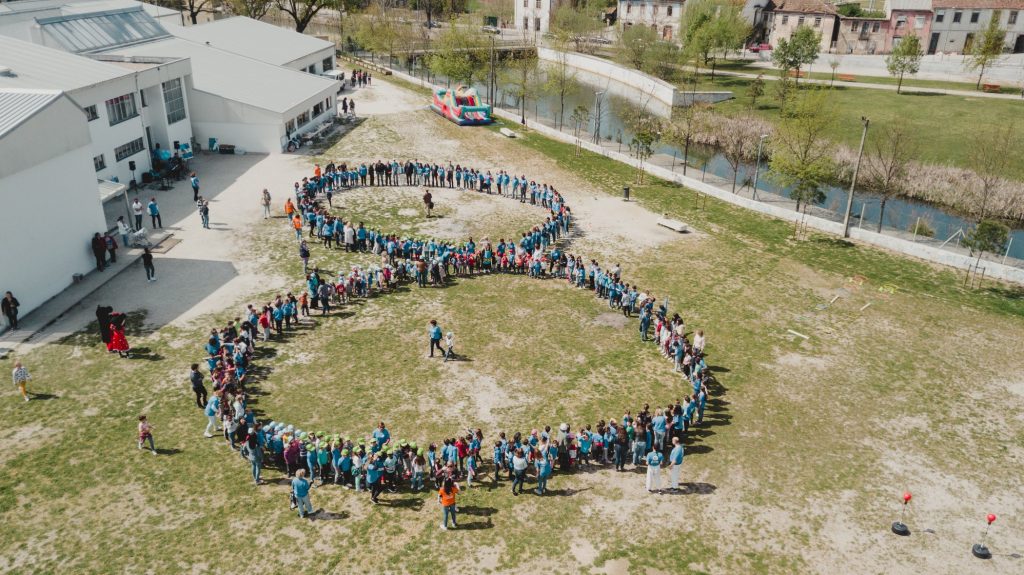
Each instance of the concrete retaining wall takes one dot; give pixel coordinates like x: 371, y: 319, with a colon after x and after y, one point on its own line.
x: 925, y: 252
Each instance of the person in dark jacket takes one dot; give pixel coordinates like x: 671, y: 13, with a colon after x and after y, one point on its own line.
x: 99, y: 250
x: 9, y: 306
x: 103, y: 319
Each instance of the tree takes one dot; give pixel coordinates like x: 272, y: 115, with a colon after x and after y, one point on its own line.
x: 797, y: 51
x: 686, y: 123
x: 834, y: 63
x: 737, y: 139
x: 783, y: 93
x: 576, y: 23
x: 303, y: 11
x: 561, y: 80
x: 888, y: 162
x: 635, y: 46
x: 905, y: 59
x: 460, y: 55
x: 801, y: 151
x: 756, y: 89
x: 195, y: 7
x: 989, y: 159
x: 520, y: 77
x: 988, y: 49
x: 381, y: 29
x: 255, y: 9
x: 987, y: 236
x: 712, y: 25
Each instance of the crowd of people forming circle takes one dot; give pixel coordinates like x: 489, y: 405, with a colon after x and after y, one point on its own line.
x: 376, y: 462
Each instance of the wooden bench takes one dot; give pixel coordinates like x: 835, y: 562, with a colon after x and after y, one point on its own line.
x: 797, y: 74
x: 846, y: 78
x: 991, y: 88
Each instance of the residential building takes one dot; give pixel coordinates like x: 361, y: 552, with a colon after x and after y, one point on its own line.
x: 534, y: 16
x: 662, y: 16
x: 957, y: 23
x: 906, y: 17
x: 785, y: 16
x: 47, y: 222
x: 859, y: 35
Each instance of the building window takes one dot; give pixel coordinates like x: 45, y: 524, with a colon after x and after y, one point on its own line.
x: 655, y: 10
x: 129, y: 149
x: 525, y: 3
x: 800, y: 21
x: 918, y: 22
x: 785, y: 19
x: 142, y: 97
x: 817, y: 21
x: 328, y: 104
x: 940, y: 15
x: 900, y: 22
x: 538, y: 4
x: 536, y: 24
x: 302, y: 119
x: 328, y: 64
x: 289, y: 127
x: 99, y: 163
x: 629, y: 8
x: 121, y: 108
x: 854, y: 25
x: 1012, y: 18
x: 91, y: 113
x: 957, y: 16
x: 318, y: 109
x: 311, y: 69
x: 174, y: 101
x: 974, y: 17
x: 875, y: 26
x: 666, y: 33
x: 526, y: 22
x: 669, y: 10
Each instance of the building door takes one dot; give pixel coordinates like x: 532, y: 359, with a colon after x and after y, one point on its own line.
x: 933, y: 44
x: 968, y: 43
x: 1018, y: 47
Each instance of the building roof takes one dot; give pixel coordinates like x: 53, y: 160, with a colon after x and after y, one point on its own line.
x: 804, y: 7
x: 18, y: 105
x: 980, y: 4
x: 236, y: 77
x: 248, y: 37
x: 35, y: 66
x: 920, y: 5
x: 97, y: 31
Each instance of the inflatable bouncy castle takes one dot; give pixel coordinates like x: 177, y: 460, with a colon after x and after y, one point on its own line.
x: 461, y: 105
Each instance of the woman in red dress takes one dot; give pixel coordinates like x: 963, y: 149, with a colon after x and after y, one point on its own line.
x: 118, y: 342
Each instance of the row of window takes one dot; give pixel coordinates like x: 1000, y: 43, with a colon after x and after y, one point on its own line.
x: 123, y: 108
x: 800, y: 20
x: 305, y: 117
x: 629, y: 9
x: 1011, y: 19
x: 122, y: 152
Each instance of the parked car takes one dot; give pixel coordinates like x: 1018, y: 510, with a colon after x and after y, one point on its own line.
x: 599, y: 40
x: 490, y: 30
x: 763, y: 47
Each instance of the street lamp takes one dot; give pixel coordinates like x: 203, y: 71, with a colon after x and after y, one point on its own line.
x: 757, y: 166
x: 853, y: 183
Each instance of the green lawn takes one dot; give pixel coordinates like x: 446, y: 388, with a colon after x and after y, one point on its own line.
x: 805, y: 438
x: 943, y: 125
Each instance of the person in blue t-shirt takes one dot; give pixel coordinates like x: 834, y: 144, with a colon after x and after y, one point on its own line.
x: 658, y: 425
x: 300, y: 491
x: 675, y: 460
x: 374, y: 472
x: 434, y: 331
x: 654, y: 459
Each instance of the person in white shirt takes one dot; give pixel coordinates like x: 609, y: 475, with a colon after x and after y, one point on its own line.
x: 123, y: 229
x: 137, y: 212
x: 21, y: 378
x: 699, y: 341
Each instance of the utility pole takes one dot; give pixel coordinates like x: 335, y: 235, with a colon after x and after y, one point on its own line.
x: 853, y: 183
x: 757, y: 166
x: 490, y: 81
x: 597, y: 116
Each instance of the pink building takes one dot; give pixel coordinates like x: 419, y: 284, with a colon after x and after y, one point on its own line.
x: 906, y: 17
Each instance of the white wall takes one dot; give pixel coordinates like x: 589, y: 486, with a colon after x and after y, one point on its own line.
x: 642, y: 84
x: 531, y: 11
x: 659, y: 13
x: 247, y: 127
x: 106, y: 137
x: 314, y: 59
x: 38, y: 259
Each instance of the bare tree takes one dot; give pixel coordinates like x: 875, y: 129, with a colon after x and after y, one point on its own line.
x: 990, y: 159
x: 303, y: 11
x: 737, y: 138
x: 888, y: 162
x: 685, y: 124
x: 255, y: 9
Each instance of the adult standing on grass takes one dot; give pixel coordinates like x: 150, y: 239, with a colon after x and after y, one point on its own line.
x: 9, y: 306
x: 446, y: 496
x: 265, y: 202
x: 196, y: 378
x: 147, y: 264
x: 21, y: 378
x: 654, y: 459
x: 428, y: 202
x: 194, y: 180
x: 146, y: 433
x: 154, y: 213
x: 434, y: 331
x: 675, y: 459
x: 253, y: 451
x: 212, y: 407
x: 300, y: 489
x: 518, y: 471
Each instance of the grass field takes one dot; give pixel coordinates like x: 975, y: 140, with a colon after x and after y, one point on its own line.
x: 808, y: 446
x: 943, y: 125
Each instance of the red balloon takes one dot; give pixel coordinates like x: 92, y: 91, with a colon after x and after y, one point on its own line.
x: 906, y: 496
x: 991, y: 517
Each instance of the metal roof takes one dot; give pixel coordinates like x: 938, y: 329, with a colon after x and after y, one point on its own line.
x: 238, y: 78
x: 98, y: 31
x: 35, y: 66
x: 252, y: 38
x: 17, y: 106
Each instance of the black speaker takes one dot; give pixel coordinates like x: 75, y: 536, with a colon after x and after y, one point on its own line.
x: 177, y: 145
x: 131, y: 165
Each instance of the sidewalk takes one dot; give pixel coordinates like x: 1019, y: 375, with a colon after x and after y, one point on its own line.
x: 60, y: 304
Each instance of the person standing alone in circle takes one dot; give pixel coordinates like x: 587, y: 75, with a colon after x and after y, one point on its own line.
x: 147, y: 264
x: 9, y: 306
x: 265, y: 202
x: 435, y: 337
x: 446, y: 496
x: 194, y: 180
